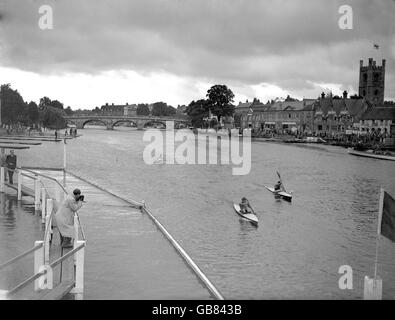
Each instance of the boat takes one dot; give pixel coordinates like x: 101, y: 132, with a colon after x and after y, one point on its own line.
x: 282, y: 194
x: 314, y: 140
x: 248, y: 216
x: 370, y: 154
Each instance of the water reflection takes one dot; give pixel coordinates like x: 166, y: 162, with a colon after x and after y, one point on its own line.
x: 7, y: 215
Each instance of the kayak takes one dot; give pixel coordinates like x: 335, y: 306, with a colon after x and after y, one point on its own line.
x: 248, y: 216
x: 282, y: 194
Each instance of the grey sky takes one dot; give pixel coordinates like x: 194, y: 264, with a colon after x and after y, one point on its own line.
x: 292, y: 44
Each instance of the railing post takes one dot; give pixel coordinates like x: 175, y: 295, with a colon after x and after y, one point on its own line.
x: 373, y: 288
x: 43, y: 205
x: 37, y: 191
x: 20, y: 177
x: 79, y: 272
x: 49, y: 277
x: 49, y: 208
x: 2, y: 179
x: 38, y: 263
x: 57, y: 194
x: 75, y: 235
x: 48, y: 229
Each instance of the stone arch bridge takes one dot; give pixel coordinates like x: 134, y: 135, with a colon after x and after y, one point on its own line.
x: 110, y: 121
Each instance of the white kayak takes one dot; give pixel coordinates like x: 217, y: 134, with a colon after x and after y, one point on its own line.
x: 248, y: 216
x: 283, y: 194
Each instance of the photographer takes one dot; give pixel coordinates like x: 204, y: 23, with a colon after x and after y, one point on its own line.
x: 65, y: 217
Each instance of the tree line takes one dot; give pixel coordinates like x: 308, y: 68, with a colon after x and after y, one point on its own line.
x: 14, y: 110
x: 50, y: 113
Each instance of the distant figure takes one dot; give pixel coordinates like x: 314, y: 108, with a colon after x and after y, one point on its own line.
x: 3, y: 162
x: 11, y: 164
x: 65, y: 133
x: 56, y: 135
x: 65, y: 217
x: 278, y: 186
x: 71, y: 132
x: 245, y: 206
x: 75, y: 132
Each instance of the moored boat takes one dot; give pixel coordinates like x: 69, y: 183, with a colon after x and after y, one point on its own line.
x: 370, y: 154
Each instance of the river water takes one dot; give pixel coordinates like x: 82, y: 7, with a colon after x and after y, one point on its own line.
x: 298, y: 247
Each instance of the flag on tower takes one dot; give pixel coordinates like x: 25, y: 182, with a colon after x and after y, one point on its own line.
x: 386, y: 226
x: 376, y: 46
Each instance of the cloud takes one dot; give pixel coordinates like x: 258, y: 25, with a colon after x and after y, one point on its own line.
x: 287, y: 43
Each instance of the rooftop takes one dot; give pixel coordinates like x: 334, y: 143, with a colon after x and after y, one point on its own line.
x: 379, y: 113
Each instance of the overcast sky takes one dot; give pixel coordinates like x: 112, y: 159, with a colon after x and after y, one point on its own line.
x: 136, y: 51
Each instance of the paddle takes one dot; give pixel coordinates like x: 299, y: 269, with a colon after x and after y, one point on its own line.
x: 280, y: 181
x: 253, y: 211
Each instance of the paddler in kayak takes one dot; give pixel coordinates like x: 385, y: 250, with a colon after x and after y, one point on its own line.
x: 245, y: 206
x: 278, y: 186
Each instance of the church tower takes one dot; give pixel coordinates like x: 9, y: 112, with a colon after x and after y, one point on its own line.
x: 371, y: 81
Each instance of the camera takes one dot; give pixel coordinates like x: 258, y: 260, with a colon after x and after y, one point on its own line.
x: 80, y: 198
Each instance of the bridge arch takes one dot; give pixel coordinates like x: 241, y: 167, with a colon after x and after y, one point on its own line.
x: 153, y: 122
x: 70, y: 122
x: 94, y: 120
x: 132, y: 122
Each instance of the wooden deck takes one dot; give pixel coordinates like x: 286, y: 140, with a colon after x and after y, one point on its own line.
x: 30, y: 143
x: 13, y: 146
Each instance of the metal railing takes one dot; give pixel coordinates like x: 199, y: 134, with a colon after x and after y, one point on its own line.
x: 46, y: 269
x: 41, y: 248
x: 20, y: 256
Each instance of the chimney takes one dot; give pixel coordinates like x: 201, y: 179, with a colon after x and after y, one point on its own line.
x: 361, y: 63
x: 127, y: 103
x: 345, y: 93
x: 323, y: 95
x: 370, y: 62
x: 383, y: 63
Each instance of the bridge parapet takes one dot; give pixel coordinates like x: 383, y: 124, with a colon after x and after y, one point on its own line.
x: 110, y: 121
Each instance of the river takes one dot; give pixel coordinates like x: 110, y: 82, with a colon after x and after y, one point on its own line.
x: 298, y: 247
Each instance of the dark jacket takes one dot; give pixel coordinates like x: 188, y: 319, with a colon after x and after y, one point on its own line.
x: 11, y: 161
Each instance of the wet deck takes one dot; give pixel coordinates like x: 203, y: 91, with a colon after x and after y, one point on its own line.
x: 124, y: 250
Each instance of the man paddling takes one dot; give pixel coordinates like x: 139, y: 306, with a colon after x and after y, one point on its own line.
x: 278, y: 186
x: 245, y: 206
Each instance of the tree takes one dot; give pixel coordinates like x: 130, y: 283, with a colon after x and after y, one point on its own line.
x: 52, y: 118
x: 57, y: 104
x: 68, y: 111
x: 162, y: 109
x: 142, y: 109
x: 171, y: 110
x: 32, y: 113
x: 45, y: 102
x: 289, y: 98
x: 13, y: 108
x: 159, y: 109
x: 220, y: 99
x: 197, y: 110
